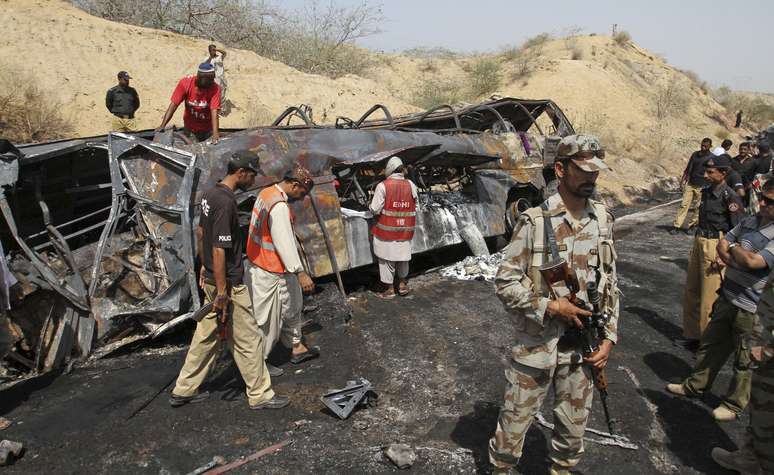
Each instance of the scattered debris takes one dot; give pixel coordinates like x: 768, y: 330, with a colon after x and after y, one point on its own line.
x: 474, y: 268
x: 250, y: 458
x: 10, y: 451
x: 343, y: 401
x: 360, y: 425
x: 608, y: 439
x: 301, y: 423
x: 216, y: 461
x: 401, y: 455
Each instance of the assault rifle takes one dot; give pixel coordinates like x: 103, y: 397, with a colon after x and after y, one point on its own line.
x: 593, y: 331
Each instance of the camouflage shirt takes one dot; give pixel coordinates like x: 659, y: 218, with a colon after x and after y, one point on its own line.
x: 763, y: 333
x: 525, y: 295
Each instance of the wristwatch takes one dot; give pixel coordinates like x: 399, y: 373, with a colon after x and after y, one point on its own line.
x: 733, y: 244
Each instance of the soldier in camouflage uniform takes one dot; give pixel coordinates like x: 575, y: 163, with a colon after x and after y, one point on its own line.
x: 583, y: 231
x: 756, y: 456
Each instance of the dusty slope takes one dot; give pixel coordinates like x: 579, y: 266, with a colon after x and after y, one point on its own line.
x: 611, y: 90
x: 78, y: 56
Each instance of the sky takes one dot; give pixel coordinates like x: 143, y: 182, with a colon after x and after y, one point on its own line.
x: 724, y: 42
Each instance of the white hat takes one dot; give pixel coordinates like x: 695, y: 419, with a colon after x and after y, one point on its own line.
x: 392, y: 164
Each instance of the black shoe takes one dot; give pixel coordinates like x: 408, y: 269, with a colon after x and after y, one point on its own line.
x: 177, y: 401
x: 690, y: 231
x: 689, y: 344
x: 277, y: 402
x: 310, y: 354
x: 274, y: 372
x: 674, y: 231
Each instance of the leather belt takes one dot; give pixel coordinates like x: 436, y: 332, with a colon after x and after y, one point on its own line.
x: 708, y: 234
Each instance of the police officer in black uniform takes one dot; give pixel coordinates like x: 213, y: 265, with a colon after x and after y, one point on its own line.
x: 720, y: 210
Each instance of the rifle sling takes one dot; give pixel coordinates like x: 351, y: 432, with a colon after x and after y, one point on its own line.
x: 549, y: 232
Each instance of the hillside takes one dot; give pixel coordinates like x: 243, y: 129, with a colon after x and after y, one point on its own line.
x: 649, y: 114
x: 77, y: 56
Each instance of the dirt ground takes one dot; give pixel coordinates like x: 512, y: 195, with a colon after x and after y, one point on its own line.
x: 436, y: 360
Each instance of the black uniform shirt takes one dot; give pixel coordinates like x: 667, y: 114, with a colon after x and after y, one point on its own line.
x: 734, y: 179
x: 122, y: 101
x: 720, y: 209
x: 220, y: 224
x: 763, y: 164
x: 694, y: 171
x: 745, y: 169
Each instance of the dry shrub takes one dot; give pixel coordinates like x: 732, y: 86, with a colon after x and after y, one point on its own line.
x: 484, y: 76
x: 433, y: 92
x: 695, y: 79
x: 27, y: 112
x: 670, y: 99
x: 622, y: 38
x: 527, y: 56
x: 318, y: 38
x: 258, y: 114
x: 577, y: 53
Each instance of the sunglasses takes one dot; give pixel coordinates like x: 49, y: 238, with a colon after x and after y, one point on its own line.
x: 600, y: 154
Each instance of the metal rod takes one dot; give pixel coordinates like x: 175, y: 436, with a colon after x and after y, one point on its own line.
x: 331, y: 253
x: 76, y: 220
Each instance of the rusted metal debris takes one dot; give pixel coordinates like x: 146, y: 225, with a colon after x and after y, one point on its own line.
x: 102, y: 228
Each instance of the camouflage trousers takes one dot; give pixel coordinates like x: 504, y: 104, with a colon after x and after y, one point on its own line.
x: 527, y: 388
x: 762, y: 415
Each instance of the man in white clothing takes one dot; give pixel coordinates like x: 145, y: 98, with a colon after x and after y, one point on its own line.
x: 395, y: 206
x: 277, y: 274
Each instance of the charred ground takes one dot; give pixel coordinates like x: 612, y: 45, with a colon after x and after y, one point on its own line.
x: 436, y: 360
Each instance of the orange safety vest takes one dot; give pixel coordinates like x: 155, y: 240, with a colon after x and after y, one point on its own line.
x: 398, y: 217
x: 260, y: 247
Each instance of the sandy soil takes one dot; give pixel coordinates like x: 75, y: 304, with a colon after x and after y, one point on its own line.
x: 77, y: 56
x: 610, y: 91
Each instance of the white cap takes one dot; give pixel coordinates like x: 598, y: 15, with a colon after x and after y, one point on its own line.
x: 392, y: 164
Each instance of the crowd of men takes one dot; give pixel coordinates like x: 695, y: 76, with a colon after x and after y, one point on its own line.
x: 728, y: 308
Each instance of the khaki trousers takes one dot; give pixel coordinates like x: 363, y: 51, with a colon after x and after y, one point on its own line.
x: 691, y: 198
x: 245, y: 341
x: 117, y: 124
x: 524, y: 395
x: 701, y: 287
x: 278, y: 303
x: 728, y: 333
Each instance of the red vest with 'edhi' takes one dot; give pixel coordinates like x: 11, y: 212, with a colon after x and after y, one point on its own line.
x: 399, y: 215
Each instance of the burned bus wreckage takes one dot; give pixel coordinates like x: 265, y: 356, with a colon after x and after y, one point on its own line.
x: 100, y: 230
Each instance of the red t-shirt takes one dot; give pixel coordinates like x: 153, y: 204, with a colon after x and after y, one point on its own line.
x: 199, y: 103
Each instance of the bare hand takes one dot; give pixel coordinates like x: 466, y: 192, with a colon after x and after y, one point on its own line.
x: 201, y: 278
x: 758, y: 353
x: 220, y: 303
x: 599, y: 359
x: 563, y: 309
x: 715, y: 267
x: 214, y: 139
x: 160, y: 128
x: 307, y: 285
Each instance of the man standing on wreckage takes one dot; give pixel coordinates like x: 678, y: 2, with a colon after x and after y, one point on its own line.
x: 557, y: 252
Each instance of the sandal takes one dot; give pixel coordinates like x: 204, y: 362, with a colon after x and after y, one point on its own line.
x: 311, y: 353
